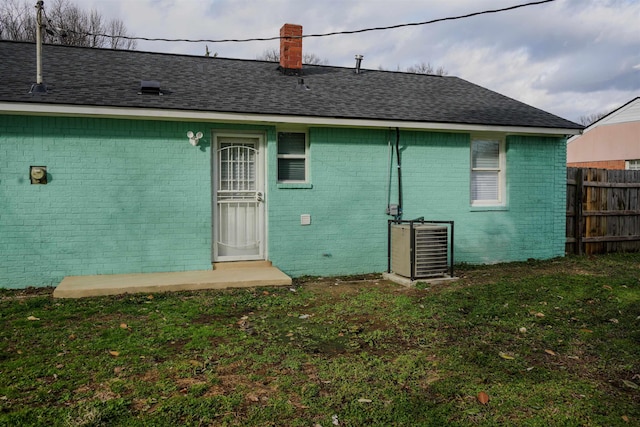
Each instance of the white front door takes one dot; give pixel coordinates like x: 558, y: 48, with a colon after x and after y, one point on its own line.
x: 238, y: 197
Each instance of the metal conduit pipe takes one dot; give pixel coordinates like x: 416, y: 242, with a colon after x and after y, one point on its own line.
x: 399, y: 160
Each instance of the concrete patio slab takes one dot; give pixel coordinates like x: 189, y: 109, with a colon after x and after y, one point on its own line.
x: 227, y: 275
x: 405, y: 281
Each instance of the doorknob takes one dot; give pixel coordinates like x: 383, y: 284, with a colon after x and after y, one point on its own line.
x: 258, y: 196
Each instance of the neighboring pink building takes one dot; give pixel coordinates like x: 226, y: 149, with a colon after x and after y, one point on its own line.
x: 613, y: 142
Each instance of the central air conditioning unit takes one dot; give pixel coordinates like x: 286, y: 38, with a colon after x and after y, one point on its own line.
x: 421, y: 249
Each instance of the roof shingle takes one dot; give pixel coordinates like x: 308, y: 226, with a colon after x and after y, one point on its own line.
x: 105, y: 77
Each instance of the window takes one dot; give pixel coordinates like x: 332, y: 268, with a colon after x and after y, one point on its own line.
x: 292, y: 157
x: 487, y: 172
x: 633, y: 165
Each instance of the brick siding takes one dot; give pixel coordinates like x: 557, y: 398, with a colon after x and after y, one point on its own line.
x: 602, y: 164
x: 123, y: 196
x: 349, y: 176
x: 130, y: 196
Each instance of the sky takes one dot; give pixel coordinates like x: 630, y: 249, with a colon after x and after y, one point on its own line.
x: 569, y: 57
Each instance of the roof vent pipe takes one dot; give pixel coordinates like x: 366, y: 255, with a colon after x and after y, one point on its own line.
x: 358, y: 62
x: 301, y: 85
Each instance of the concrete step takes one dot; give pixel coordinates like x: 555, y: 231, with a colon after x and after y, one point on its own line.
x: 241, y: 264
x: 242, y: 275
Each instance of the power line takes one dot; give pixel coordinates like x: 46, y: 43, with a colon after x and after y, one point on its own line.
x: 433, y: 21
x: 335, y: 33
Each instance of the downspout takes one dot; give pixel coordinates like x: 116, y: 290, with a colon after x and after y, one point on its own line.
x: 388, y: 183
x: 398, y: 159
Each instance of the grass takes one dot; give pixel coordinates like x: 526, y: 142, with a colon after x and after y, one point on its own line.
x: 551, y: 343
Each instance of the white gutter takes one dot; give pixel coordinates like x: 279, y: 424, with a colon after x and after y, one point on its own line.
x: 39, y: 109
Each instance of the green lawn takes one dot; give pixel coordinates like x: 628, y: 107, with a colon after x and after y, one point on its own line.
x: 549, y: 343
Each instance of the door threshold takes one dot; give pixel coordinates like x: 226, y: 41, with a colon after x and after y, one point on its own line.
x: 227, y: 265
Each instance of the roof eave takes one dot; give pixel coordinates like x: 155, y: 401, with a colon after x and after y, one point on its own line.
x: 172, y: 114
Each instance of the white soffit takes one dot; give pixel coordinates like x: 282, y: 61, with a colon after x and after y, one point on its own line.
x: 162, y: 114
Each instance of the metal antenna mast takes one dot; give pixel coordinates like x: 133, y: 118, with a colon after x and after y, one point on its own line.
x: 39, y: 87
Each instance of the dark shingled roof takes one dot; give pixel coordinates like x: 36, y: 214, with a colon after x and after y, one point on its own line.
x: 103, y: 77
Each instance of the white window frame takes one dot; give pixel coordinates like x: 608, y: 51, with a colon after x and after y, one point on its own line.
x: 501, y: 200
x: 632, y: 165
x: 304, y: 156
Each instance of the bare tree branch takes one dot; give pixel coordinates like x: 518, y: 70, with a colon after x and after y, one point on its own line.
x: 17, y: 21
x: 117, y: 28
x: 592, y: 118
x: 68, y: 24
x: 421, y: 68
x: 313, y: 59
x: 273, y: 55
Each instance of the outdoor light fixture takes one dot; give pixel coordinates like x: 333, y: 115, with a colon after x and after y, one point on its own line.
x: 194, y: 139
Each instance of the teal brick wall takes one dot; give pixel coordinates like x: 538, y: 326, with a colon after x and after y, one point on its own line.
x: 129, y: 196
x: 349, y: 178
x: 347, y: 235
x: 533, y: 223
x: 123, y: 196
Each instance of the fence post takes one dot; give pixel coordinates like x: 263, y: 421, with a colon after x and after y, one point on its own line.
x: 577, y: 206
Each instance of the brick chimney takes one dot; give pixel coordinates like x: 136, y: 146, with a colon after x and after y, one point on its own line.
x: 291, y: 49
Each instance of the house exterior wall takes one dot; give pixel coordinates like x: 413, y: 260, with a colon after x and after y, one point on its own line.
x: 609, y: 142
x: 134, y: 196
x: 349, y: 170
x: 629, y: 112
x: 604, y: 164
x: 123, y: 196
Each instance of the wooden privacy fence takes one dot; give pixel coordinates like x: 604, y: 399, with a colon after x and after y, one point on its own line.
x: 603, y: 211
